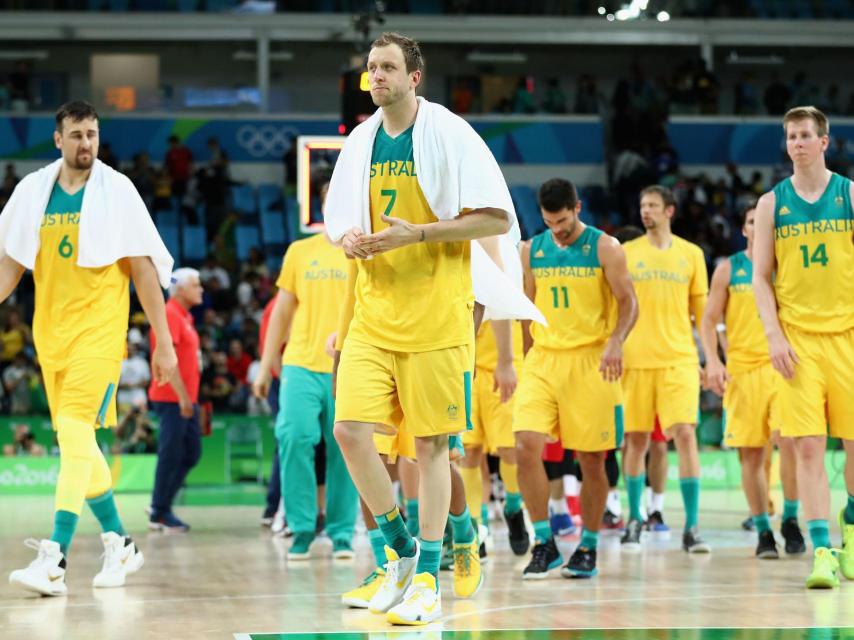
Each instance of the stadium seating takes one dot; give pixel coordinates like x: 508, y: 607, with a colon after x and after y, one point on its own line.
x: 194, y: 243
x: 247, y: 237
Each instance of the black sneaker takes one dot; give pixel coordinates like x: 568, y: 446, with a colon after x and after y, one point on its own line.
x: 766, y: 549
x: 631, y: 538
x: 747, y: 524
x: 517, y: 532
x: 693, y: 543
x: 544, y: 558
x: 481, y: 551
x: 655, y: 523
x: 582, y: 564
x: 792, y: 535
x: 612, y: 522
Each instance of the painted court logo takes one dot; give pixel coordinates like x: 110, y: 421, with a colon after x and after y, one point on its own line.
x: 453, y: 412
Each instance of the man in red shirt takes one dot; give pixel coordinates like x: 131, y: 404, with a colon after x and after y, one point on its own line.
x: 179, y: 446
x: 179, y: 164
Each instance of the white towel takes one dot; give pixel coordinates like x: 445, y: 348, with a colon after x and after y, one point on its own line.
x: 456, y: 171
x: 114, y: 222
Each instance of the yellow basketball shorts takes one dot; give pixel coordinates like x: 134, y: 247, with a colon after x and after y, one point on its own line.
x: 84, y: 391
x: 821, y: 393
x: 562, y: 394
x: 751, y: 408
x: 401, y: 443
x: 430, y: 390
x: 671, y: 393
x: 492, y: 420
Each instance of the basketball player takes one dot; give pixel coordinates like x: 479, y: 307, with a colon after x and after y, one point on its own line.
x: 400, y: 447
x: 748, y: 385
x: 662, y: 377
x: 802, y: 277
x: 570, y: 389
x: 312, y: 286
x: 80, y: 331
x: 409, y: 347
x: 498, y: 355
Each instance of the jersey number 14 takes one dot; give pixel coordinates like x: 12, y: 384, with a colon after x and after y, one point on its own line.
x: 819, y: 256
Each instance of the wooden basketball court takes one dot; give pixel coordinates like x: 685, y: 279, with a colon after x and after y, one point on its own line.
x: 229, y: 578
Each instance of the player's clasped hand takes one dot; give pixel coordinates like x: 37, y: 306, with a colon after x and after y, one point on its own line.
x: 783, y: 357
x: 350, y: 244
x: 398, y: 234
x: 611, y: 366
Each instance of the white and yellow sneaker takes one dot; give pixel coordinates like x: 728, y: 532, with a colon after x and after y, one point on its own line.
x: 360, y: 597
x: 46, y: 574
x: 121, y: 558
x: 398, y: 576
x: 467, y: 569
x: 422, y: 603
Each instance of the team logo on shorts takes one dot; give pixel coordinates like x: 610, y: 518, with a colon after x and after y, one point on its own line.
x: 453, y: 412
x: 605, y: 435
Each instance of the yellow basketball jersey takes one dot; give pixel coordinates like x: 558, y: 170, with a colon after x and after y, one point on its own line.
x: 814, y: 246
x: 486, y: 349
x: 419, y: 297
x: 664, y: 281
x: 314, y: 271
x: 747, y: 347
x: 79, y: 312
x: 572, y: 292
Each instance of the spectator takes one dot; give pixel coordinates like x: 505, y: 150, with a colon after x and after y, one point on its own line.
x: 20, y: 97
x: 162, y: 190
x: 179, y: 164
x: 555, y: 98
x: 16, y: 382
x: 106, y: 155
x: 138, y: 330
x: 706, y: 88
x: 143, y: 176
x: 462, y: 96
x: 135, y: 434
x: 23, y: 443
x: 831, y: 103
x: 213, y: 270
x: 777, y: 97
x: 746, y: 96
x: 133, y: 383
x: 16, y: 337
x: 588, y: 100
x: 523, y: 99
x: 177, y: 403
x: 238, y: 361
x: 838, y: 159
x: 218, y: 385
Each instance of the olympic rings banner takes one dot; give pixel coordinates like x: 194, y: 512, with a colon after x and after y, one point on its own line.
x: 513, y: 139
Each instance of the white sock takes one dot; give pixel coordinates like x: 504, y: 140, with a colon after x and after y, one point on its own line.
x: 613, y: 505
x: 656, y: 502
x: 558, y: 505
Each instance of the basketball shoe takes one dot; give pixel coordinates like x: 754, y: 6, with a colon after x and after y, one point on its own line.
x: 121, y: 558
x: 45, y: 574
